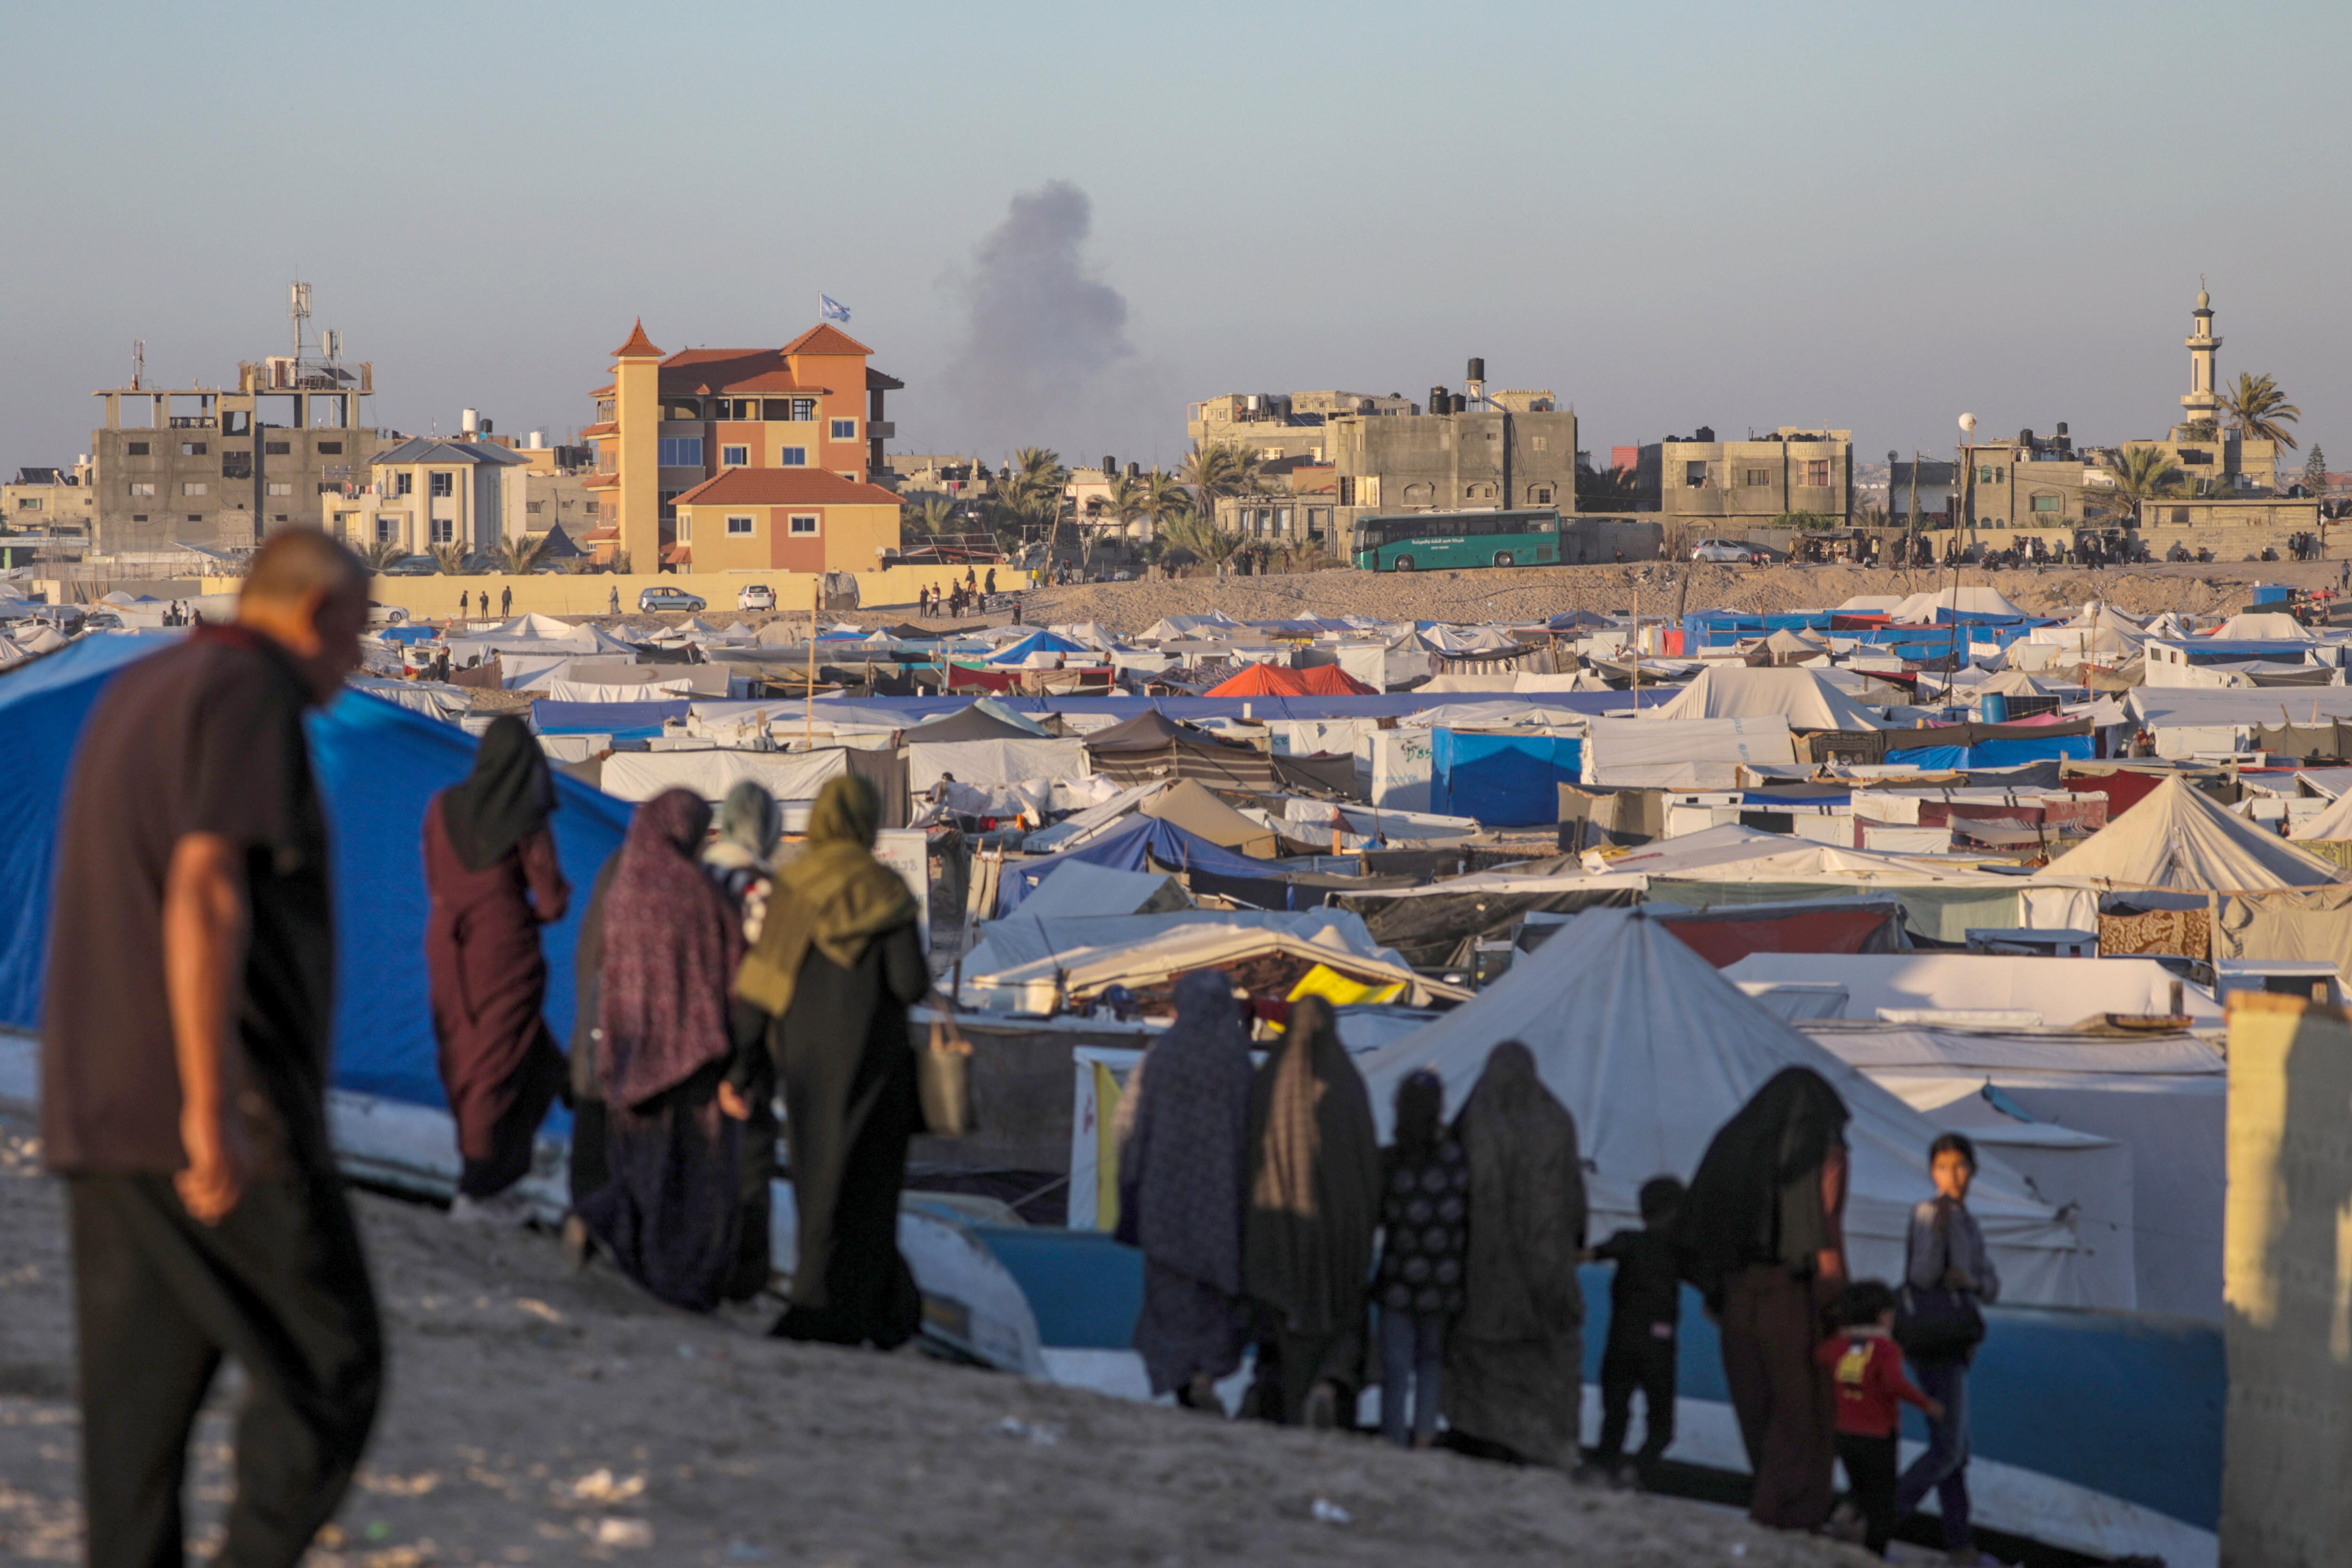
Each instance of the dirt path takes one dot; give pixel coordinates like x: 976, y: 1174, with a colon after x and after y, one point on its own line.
x: 537, y: 1417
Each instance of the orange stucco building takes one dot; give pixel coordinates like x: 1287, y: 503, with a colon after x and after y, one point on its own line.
x: 785, y: 520
x: 671, y: 425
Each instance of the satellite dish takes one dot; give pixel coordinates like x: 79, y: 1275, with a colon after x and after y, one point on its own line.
x: 1968, y: 424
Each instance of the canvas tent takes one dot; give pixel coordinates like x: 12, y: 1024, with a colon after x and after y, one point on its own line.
x: 1652, y: 1051
x: 1273, y: 680
x: 980, y: 722
x: 1190, y: 806
x: 1152, y: 745
x: 1697, y: 753
x: 1801, y: 695
x: 2178, y: 838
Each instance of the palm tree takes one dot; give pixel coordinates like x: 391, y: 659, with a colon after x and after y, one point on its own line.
x: 1163, y: 497
x: 517, y: 556
x: 1200, y: 538
x: 383, y: 553
x: 1125, y: 506
x: 930, y: 516
x: 448, y: 559
x: 2259, y: 411
x: 2141, y: 474
x: 1217, y: 471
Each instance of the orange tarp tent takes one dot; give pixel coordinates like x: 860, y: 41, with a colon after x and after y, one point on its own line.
x: 1274, y: 681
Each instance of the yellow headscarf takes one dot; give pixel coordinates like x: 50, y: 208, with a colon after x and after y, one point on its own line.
x: 833, y: 896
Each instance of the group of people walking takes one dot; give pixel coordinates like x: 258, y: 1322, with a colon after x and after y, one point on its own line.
x: 1277, y: 1230
x: 963, y: 598
x: 505, y: 601
x: 710, y: 979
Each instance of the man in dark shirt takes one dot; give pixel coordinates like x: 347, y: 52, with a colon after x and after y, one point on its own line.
x: 1644, y: 1311
x: 185, y: 1060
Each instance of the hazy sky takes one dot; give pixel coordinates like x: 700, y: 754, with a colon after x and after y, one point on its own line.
x: 1056, y: 223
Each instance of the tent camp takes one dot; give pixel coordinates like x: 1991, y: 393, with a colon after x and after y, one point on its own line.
x: 1929, y: 608
x: 1652, y: 1051
x: 1274, y: 681
x: 982, y: 721
x: 1801, y: 695
x: 2178, y: 838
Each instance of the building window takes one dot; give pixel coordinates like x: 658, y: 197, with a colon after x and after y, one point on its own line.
x: 28, y: 503
x: 803, y: 525
x: 138, y: 517
x: 588, y: 507
x: 278, y: 488
x: 1539, y: 495
x: 734, y: 456
x: 685, y: 531
x: 532, y: 505
x: 444, y: 485
x: 276, y: 449
x: 738, y: 525
x: 803, y: 408
x: 1694, y: 475
x: 143, y: 490
x: 384, y: 525
x: 1817, y: 473
x: 192, y: 488
x: 237, y: 464
x: 2047, y: 504
x: 792, y: 456
x: 192, y: 448
x: 196, y: 517
x: 445, y: 531
x: 681, y: 451
x: 332, y: 448
x: 844, y: 430
x: 403, y: 484
x: 1988, y: 474
x: 134, y: 448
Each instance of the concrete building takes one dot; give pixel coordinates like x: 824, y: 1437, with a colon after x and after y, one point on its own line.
x: 219, y: 467
x: 430, y: 490
x: 1284, y: 424
x: 785, y: 519
x: 1935, y: 483
x: 2034, y: 482
x: 1701, y: 482
x: 668, y: 424
x: 50, y: 500
x: 1298, y: 502
x: 1493, y: 458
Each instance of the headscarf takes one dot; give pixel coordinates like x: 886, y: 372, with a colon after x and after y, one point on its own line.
x: 1315, y: 1178
x: 1756, y: 1197
x: 833, y: 896
x: 671, y: 944
x: 750, y: 823
x: 505, y: 800
x: 1527, y: 1203
x: 1184, y: 1165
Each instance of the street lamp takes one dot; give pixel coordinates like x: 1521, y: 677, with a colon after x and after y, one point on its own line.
x: 1967, y: 477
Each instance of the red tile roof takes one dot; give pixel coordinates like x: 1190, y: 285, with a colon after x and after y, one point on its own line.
x: 704, y: 372
x: 639, y: 346
x: 589, y: 432
x: 824, y: 338
x: 600, y: 482
x: 785, y: 487
x: 679, y: 554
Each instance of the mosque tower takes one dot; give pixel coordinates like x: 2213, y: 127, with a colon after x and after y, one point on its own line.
x: 2200, y: 406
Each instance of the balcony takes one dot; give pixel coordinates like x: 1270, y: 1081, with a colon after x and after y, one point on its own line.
x: 881, y: 429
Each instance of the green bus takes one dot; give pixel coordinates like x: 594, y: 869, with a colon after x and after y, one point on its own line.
x: 1424, y: 541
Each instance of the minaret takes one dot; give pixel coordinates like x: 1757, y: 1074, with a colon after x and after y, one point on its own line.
x: 2200, y: 406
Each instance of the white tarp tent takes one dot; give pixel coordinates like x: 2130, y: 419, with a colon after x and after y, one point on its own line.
x: 1654, y: 1051
x: 1692, y: 753
x: 1920, y: 609
x: 2055, y: 992
x: 994, y: 762
x: 2164, y: 1097
x: 1794, y: 693
x: 787, y: 775
x: 2178, y: 836
x: 2333, y: 823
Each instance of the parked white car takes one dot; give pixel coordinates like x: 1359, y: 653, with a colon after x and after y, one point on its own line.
x: 1724, y: 551
x: 756, y: 596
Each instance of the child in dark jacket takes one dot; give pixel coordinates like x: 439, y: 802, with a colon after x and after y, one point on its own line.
x: 1644, y: 1311
x: 1868, y: 1369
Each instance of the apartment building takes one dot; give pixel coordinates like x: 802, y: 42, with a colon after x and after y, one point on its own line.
x: 1275, y: 425
x: 785, y: 519
x: 1699, y: 480
x: 668, y: 424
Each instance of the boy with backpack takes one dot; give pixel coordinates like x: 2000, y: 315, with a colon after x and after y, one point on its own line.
x: 1867, y: 1368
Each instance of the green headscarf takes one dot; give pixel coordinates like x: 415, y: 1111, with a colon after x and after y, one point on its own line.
x: 833, y: 896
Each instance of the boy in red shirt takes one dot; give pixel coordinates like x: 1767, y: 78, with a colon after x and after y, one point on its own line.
x: 1868, y: 1367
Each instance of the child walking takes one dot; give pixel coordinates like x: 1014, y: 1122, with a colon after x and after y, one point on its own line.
x: 1644, y: 1313
x: 1424, y: 1212
x: 1868, y: 1368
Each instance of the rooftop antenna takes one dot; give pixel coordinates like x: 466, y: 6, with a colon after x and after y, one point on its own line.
x: 138, y: 362
x: 299, y: 307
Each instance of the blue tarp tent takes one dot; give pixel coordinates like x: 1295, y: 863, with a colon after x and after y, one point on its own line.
x: 1503, y: 781
x: 378, y: 765
x: 622, y: 721
x: 1129, y: 847
x: 1037, y: 642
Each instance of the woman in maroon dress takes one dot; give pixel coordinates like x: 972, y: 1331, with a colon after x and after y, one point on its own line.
x: 490, y: 868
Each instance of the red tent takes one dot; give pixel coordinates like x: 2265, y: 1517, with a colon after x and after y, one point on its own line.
x: 1274, y: 681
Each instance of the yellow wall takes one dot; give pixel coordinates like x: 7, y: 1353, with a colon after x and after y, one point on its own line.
x: 435, y: 598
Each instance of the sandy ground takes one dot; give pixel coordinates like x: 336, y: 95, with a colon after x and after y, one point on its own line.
x: 539, y: 1417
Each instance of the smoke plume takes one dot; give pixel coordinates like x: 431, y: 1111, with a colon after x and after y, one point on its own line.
x: 1044, y: 359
